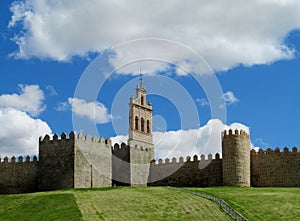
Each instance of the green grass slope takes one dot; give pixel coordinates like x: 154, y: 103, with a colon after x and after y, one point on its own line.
x: 126, y: 203
x: 260, y: 203
x: 39, y: 206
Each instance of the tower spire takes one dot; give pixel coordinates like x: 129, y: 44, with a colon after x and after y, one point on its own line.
x: 141, y: 78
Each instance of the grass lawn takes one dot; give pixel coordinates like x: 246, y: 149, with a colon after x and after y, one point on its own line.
x: 126, y: 203
x: 39, y: 206
x: 260, y: 203
x: 142, y: 203
x: 151, y: 203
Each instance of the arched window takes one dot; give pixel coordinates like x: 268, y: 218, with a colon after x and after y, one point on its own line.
x: 136, y: 121
x: 142, y: 100
x: 148, y: 126
x: 142, y: 124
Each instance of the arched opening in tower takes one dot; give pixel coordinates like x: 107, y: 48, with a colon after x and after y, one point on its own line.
x: 142, y: 124
x: 142, y: 100
x: 136, y: 123
x: 148, y: 126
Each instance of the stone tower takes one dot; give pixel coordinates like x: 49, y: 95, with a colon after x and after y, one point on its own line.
x: 140, y: 142
x: 74, y: 162
x: 236, y: 158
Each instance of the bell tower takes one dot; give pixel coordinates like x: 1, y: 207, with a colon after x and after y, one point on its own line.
x: 140, y: 117
x: 140, y: 136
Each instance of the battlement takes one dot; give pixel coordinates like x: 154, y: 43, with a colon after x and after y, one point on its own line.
x: 116, y: 147
x: 72, y: 137
x: 63, y: 141
x: 20, y: 159
x: 205, y: 170
x: 275, y: 167
x: 18, y: 174
x: 55, y: 139
x: 277, y: 150
x: 235, y: 133
x: 93, y: 139
x: 236, y: 158
x: 121, y: 151
x: 186, y: 160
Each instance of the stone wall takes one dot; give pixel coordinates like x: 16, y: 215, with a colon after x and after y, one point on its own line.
x: 18, y: 176
x: 141, y: 154
x: 93, y: 162
x: 56, y: 162
x: 236, y: 158
x: 85, y: 162
x: 120, y: 165
x: 196, y: 173
x: 275, y: 169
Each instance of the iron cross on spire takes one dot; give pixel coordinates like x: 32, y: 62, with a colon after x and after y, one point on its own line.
x: 141, y: 78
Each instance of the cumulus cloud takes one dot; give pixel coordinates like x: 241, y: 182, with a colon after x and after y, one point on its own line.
x: 94, y: 111
x: 204, y: 140
x: 19, y: 132
x: 29, y: 100
x: 230, y: 98
x: 225, y: 33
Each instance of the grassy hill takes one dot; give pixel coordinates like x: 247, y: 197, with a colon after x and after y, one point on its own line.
x: 140, y: 203
x: 151, y: 203
x: 260, y: 203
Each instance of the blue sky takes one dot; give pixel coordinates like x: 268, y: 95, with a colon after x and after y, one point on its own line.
x: 47, y: 48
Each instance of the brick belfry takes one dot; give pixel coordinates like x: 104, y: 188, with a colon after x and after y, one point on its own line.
x: 141, y: 147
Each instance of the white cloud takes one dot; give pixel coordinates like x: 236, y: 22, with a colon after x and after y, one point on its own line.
x: 94, y: 111
x: 230, y: 98
x: 204, y: 140
x: 29, y: 100
x: 119, y: 139
x: 19, y: 133
x: 202, y: 101
x: 260, y: 142
x: 255, y: 148
x: 225, y: 33
x: 51, y: 90
x: 63, y: 106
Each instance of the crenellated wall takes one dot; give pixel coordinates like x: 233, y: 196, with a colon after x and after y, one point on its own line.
x: 56, y: 162
x: 204, y: 172
x: 93, y: 162
x: 141, y: 154
x: 74, y: 162
x: 120, y: 165
x: 18, y: 176
x: 272, y: 168
x: 81, y: 161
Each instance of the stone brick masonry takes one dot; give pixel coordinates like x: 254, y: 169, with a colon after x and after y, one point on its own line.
x: 85, y: 162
